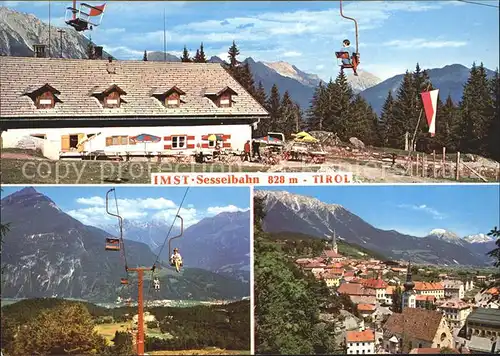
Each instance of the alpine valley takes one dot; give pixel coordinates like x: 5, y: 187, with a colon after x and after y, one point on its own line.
x: 20, y: 31
x: 46, y: 253
x: 287, y: 212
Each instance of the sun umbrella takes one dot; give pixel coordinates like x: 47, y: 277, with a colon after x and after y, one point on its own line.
x: 269, y: 140
x: 146, y: 138
x: 215, y: 138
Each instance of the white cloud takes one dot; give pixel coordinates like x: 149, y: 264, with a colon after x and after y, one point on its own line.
x: 93, y: 211
x: 292, y: 54
x: 426, y: 209
x: 320, y: 66
x: 419, y: 43
x: 10, y: 3
x: 214, y: 210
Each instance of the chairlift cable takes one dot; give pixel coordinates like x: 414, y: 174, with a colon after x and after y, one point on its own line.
x: 171, y: 226
x: 163, y: 246
x: 478, y: 3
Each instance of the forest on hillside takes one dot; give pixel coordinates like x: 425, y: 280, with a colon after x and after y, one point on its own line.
x: 470, y: 126
x: 289, y: 302
x: 57, y: 326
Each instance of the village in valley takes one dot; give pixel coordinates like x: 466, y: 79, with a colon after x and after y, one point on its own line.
x: 392, y: 313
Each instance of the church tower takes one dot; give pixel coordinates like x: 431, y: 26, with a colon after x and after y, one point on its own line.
x: 334, y: 243
x: 409, y: 298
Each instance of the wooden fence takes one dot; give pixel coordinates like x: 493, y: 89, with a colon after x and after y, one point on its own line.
x: 431, y: 166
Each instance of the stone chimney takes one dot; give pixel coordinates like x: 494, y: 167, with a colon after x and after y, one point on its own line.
x: 98, y: 52
x: 39, y: 50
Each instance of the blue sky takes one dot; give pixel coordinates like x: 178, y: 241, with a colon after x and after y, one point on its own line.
x: 416, y: 209
x: 87, y: 204
x: 393, y: 35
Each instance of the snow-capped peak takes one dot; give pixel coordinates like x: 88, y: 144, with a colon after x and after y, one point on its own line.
x: 478, y: 238
x: 288, y: 70
x: 444, y: 234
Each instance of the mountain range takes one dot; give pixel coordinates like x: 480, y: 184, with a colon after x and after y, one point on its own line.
x: 46, y: 252
x: 287, y: 212
x: 20, y: 31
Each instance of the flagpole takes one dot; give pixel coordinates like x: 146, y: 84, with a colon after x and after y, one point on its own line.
x: 49, y: 30
x: 418, y: 122
x: 164, y: 36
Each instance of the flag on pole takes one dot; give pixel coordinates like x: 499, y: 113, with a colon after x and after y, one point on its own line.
x: 97, y: 10
x: 429, y: 100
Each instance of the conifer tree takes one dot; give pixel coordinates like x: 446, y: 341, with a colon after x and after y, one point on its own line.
x: 476, y: 113
x: 145, y: 56
x: 273, y: 106
x: 316, y: 112
x: 421, y: 83
x: 233, y: 53
x: 287, y: 121
x: 390, y: 133
x: 245, y: 78
x: 404, y: 113
x: 260, y: 94
x: 185, y: 55
x: 196, y: 58
x: 339, y: 95
x: 494, y: 127
x: 202, y: 58
x: 446, y: 122
x: 362, y: 121
x: 299, y: 121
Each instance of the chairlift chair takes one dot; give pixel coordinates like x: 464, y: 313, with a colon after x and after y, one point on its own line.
x: 80, y: 18
x: 124, y: 281
x: 112, y: 244
x: 354, y: 60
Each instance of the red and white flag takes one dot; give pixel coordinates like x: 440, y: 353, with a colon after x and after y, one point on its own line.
x: 429, y: 99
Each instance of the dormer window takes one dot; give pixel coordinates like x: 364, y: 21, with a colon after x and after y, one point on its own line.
x: 170, y: 98
x: 44, y: 97
x: 222, y: 98
x: 110, y: 98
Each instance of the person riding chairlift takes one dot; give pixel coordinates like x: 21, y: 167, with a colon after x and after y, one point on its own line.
x: 346, y: 47
x: 176, y: 260
x: 156, y: 282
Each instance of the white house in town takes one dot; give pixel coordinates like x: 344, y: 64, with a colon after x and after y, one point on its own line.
x: 360, y: 342
x: 73, y: 107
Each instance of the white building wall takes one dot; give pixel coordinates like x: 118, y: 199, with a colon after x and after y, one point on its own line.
x: 53, y: 137
x: 360, y: 348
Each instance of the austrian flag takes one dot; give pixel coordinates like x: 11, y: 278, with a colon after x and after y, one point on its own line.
x: 429, y: 99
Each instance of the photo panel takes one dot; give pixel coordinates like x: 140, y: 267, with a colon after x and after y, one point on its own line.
x: 125, y: 89
x: 105, y: 262
x: 376, y: 269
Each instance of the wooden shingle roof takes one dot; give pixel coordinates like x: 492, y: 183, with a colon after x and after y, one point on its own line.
x: 76, y: 78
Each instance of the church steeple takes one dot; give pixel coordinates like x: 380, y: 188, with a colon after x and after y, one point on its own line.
x: 334, y: 242
x: 408, y: 298
x: 409, y: 284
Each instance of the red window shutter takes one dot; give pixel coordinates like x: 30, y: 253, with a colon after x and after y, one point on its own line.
x: 167, y: 138
x: 204, y: 137
x: 204, y: 145
x: 167, y: 147
x: 190, y: 145
x: 190, y: 138
x: 227, y: 145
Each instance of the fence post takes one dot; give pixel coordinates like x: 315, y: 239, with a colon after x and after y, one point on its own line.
x: 458, y: 166
x: 434, y: 163
x: 424, y: 173
x: 416, y: 164
x: 443, y: 163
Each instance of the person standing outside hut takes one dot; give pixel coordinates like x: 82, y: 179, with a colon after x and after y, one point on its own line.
x: 247, y: 150
x: 256, y: 149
